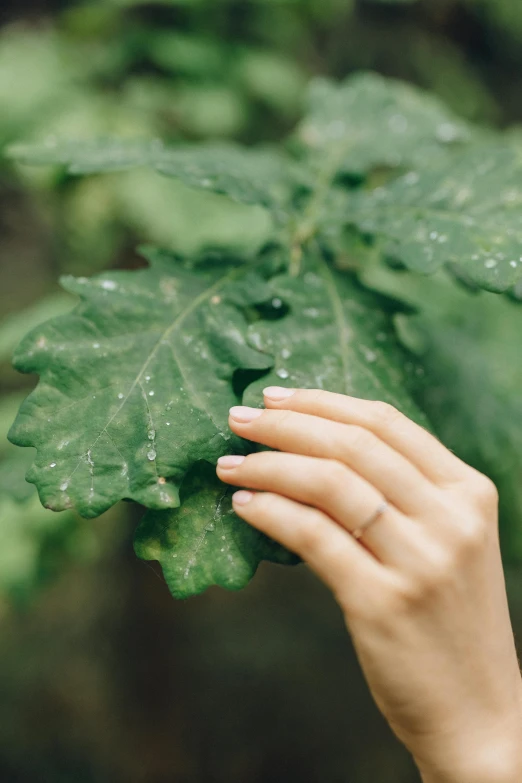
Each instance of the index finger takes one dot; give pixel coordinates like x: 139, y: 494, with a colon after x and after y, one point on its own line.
x: 411, y: 440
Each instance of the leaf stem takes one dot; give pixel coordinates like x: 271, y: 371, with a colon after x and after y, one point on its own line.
x: 307, y: 229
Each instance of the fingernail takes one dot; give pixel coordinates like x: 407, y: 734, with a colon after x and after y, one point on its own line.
x: 244, y: 414
x: 230, y: 461
x: 277, y: 392
x: 242, y: 497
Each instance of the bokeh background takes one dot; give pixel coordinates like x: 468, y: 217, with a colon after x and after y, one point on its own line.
x: 103, y: 677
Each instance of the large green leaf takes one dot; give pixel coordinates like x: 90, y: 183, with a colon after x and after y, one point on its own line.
x: 370, y: 121
x: 254, y: 176
x: 336, y: 336
x: 204, y: 543
x: 467, y: 212
x: 136, y: 383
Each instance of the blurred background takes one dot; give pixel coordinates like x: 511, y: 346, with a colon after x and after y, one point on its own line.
x: 103, y: 676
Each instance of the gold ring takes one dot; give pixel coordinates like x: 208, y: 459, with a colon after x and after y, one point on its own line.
x: 358, y: 533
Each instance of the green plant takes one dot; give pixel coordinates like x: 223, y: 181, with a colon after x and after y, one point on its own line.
x: 379, y: 184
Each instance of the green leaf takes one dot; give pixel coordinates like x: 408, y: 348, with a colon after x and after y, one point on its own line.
x: 204, y: 543
x: 136, y: 383
x: 336, y: 336
x: 249, y: 176
x: 369, y: 121
x: 465, y: 212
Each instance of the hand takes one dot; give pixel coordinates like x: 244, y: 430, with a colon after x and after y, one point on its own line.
x: 422, y: 590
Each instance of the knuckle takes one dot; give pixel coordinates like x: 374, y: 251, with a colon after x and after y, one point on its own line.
x: 333, y: 479
x: 471, y: 537
x: 361, y: 439
x: 311, y: 533
x: 385, y: 414
x: 484, y: 490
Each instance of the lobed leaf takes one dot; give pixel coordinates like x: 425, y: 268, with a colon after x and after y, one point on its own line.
x: 251, y: 176
x: 204, y: 543
x: 465, y: 212
x: 369, y: 121
x: 336, y: 336
x: 136, y: 383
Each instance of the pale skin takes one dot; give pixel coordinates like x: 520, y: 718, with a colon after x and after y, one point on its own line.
x: 422, y: 591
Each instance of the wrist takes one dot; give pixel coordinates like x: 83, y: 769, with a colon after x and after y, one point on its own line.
x: 479, y: 757
x: 490, y: 765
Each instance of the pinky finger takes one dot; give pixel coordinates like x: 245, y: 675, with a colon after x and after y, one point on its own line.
x: 350, y: 571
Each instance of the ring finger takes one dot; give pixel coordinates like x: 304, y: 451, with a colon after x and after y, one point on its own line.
x: 332, y: 488
x: 356, y: 447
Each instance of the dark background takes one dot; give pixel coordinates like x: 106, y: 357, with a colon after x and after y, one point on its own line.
x: 103, y: 676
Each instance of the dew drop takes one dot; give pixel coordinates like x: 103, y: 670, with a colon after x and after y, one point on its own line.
x: 96, y: 345
x: 147, y: 378
x: 151, y: 456
x: 434, y: 235
x: 64, y: 486
x: 52, y: 465
x: 210, y: 527
x: 151, y: 434
x: 285, y: 353
x: 120, y: 396
x: 490, y: 263
x: 513, y: 264
x: 282, y: 373
x: 277, y: 303
x: 151, y: 394
x: 411, y: 178
x: 109, y: 285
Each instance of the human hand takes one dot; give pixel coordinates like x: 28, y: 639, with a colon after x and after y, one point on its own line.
x: 422, y: 590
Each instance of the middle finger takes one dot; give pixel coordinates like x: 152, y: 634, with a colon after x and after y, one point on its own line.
x: 390, y: 473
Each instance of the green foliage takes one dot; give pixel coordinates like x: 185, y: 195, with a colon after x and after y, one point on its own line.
x: 377, y: 172
x: 373, y: 122
x: 466, y: 211
x: 252, y: 177
x: 136, y: 382
x: 204, y: 543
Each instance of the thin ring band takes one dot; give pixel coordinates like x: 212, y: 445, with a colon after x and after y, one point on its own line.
x: 358, y: 532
